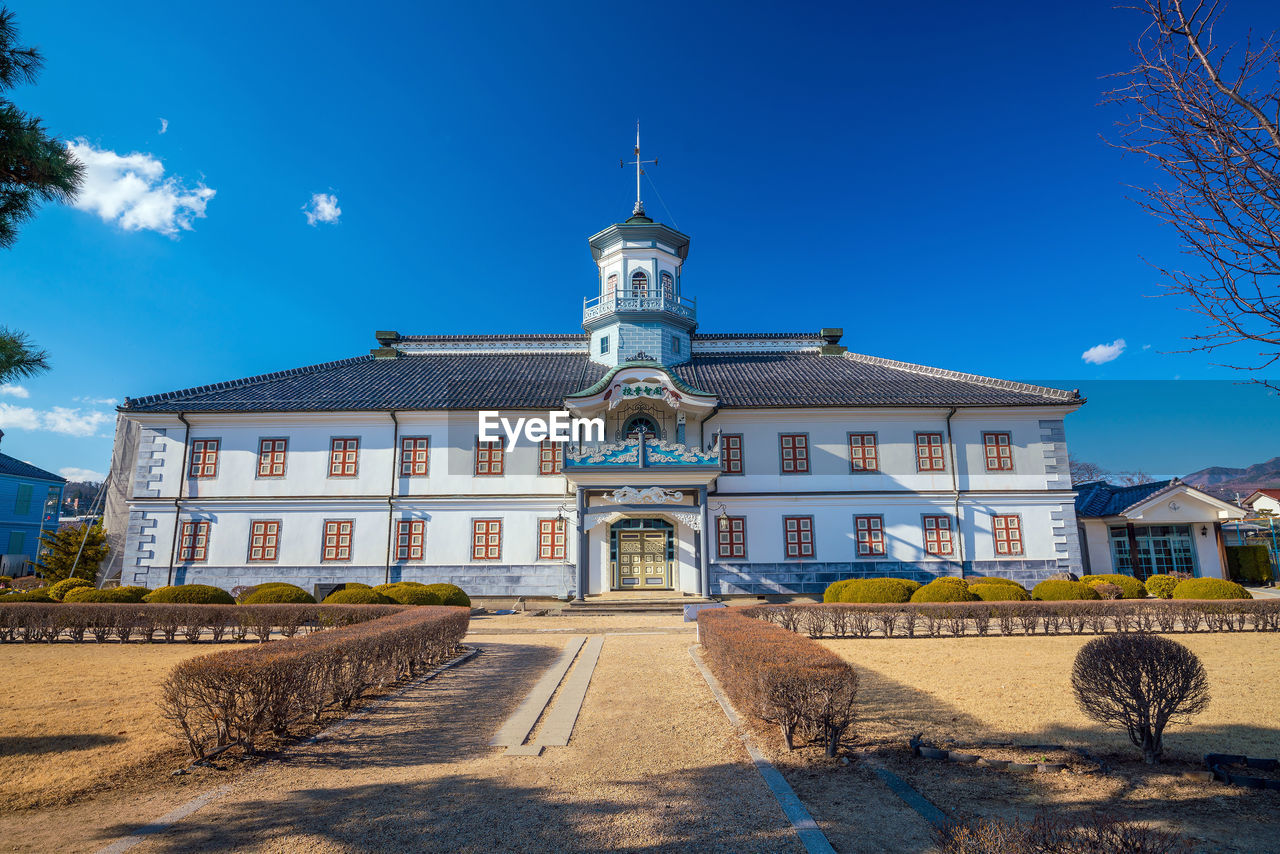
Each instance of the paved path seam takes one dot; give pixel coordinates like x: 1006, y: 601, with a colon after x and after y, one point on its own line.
x: 811, y: 836
x: 560, y: 721
x: 516, y: 729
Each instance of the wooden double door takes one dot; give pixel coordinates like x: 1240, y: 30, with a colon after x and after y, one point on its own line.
x: 642, y: 562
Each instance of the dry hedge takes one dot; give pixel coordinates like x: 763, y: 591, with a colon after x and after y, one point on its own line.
x: 33, y: 622
x: 780, y: 677
x: 975, y: 619
x: 238, y: 696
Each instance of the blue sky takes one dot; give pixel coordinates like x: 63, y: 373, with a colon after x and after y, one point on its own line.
x: 928, y: 176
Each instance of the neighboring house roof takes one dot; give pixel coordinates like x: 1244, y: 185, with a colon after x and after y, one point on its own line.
x: 1099, y: 498
x: 17, y: 468
x: 1261, y: 493
x: 529, y: 380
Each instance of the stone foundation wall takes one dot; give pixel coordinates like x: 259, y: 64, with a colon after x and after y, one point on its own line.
x: 812, y: 578
x: 554, y: 580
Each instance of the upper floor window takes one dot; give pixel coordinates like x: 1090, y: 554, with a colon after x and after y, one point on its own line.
x: 798, y: 533
x: 1008, y: 534
x: 489, y: 458
x: 204, y: 458
x: 668, y: 286
x: 998, y: 450
x: 731, y: 537
x: 864, y: 452
x: 552, y: 534
x: 342, y: 457
x: 869, y: 532
x: 937, y: 535
x: 604, y: 344
x: 550, y: 457
x: 610, y: 285
x: 337, y: 539
x: 193, y: 546
x: 22, y: 501
x: 271, y: 455
x: 486, y: 539
x: 731, y: 453
x: 264, y: 540
x: 411, y: 535
x: 413, y: 455
x: 929, y: 452
x: 640, y: 284
x: 795, y: 453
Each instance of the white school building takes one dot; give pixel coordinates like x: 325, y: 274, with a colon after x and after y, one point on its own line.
x: 753, y: 463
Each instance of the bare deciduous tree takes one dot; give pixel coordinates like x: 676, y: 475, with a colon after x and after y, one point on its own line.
x: 1085, y: 472
x: 1139, y: 683
x: 1205, y: 113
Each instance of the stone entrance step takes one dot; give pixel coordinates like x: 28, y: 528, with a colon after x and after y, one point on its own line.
x: 601, y: 606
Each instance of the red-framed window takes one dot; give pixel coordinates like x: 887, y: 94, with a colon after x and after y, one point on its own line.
x: 486, y: 539
x: 337, y: 539
x: 414, y: 452
x: 193, y: 546
x: 869, y: 532
x: 731, y: 453
x: 271, y: 457
x: 411, y: 537
x: 640, y: 284
x: 550, y: 457
x: 930, y: 453
x: 864, y: 452
x: 1008, y: 534
x: 204, y: 458
x: 264, y: 541
x: 343, y: 457
x: 489, y: 458
x: 937, y: 536
x: 798, y: 534
x: 795, y: 453
x: 997, y: 448
x: 731, y: 537
x: 610, y: 285
x: 552, y: 536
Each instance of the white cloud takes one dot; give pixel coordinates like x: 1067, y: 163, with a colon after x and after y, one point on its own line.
x: 1146, y: 346
x: 164, y: 125
x: 76, y: 475
x: 1103, y: 353
x: 100, y: 401
x: 59, y: 419
x: 15, y: 390
x: 323, y: 207
x: 131, y: 191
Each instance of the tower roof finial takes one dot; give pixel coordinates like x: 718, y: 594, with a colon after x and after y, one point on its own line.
x: 639, y: 164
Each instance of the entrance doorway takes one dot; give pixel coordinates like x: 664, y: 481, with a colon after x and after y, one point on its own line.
x: 642, y: 554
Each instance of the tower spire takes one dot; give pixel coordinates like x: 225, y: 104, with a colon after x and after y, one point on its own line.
x: 639, y: 164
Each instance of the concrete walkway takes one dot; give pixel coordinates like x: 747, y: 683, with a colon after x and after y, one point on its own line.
x: 652, y: 765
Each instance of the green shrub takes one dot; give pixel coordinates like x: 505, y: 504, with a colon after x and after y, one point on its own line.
x: 993, y: 579
x: 1249, y: 564
x: 873, y: 590
x: 278, y: 593
x: 1130, y: 586
x: 357, y: 597
x: 1000, y: 592
x: 1209, y: 588
x: 450, y: 594
x: 832, y: 593
x: 384, y: 589
x: 1055, y: 590
x: 945, y: 589
x: 126, y: 595
x: 40, y: 594
x: 408, y: 594
x: 190, y: 594
x: 1162, y: 585
x: 60, y: 589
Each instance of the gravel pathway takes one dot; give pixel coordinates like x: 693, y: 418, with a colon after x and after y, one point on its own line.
x: 652, y: 766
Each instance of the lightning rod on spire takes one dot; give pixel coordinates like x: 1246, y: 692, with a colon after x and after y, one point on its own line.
x: 639, y: 164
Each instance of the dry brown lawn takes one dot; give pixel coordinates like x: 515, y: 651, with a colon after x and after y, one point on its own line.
x: 78, y: 717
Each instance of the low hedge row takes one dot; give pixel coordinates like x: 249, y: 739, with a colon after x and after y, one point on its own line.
x: 33, y: 622
x: 238, y: 696
x: 780, y: 677
x: 1020, y: 618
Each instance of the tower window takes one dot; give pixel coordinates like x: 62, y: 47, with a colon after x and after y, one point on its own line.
x: 640, y: 284
x: 604, y: 344
x: 610, y: 285
x: 668, y: 287
x: 675, y: 344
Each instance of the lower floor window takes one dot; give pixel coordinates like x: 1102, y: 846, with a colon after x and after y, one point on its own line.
x: 337, y: 539
x: 798, y: 531
x: 869, y: 531
x: 194, y: 545
x: 732, y: 537
x: 1008, y: 534
x: 264, y: 540
x: 410, y: 536
x: 551, y: 539
x: 937, y: 535
x: 486, y: 539
x: 1161, y: 549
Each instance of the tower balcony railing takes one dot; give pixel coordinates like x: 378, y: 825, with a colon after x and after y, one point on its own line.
x: 623, y: 301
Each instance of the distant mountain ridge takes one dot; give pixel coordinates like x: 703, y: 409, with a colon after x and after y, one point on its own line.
x: 1226, y: 482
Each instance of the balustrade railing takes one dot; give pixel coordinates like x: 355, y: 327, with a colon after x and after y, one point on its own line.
x: 622, y: 301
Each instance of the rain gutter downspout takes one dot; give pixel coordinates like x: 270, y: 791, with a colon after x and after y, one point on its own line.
x: 955, y: 490
x: 177, y: 502
x: 391, y: 493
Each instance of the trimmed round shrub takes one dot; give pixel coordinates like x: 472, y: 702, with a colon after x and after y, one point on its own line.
x: 1057, y: 590
x: 40, y: 594
x: 278, y: 593
x: 60, y: 589
x: 450, y: 594
x: 884, y: 590
x: 129, y: 595
x: 1131, y: 587
x: 1000, y: 593
x: 357, y: 597
x: 1162, y: 585
x: 385, y: 589
x: 1107, y: 590
x: 190, y: 594
x: 993, y: 579
x: 408, y: 594
x: 832, y: 593
x: 945, y: 589
x: 1210, y: 588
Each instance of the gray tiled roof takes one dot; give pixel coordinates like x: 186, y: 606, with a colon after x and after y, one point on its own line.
x: 1099, y: 498
x: 17, y: 468
x: 467, y: 380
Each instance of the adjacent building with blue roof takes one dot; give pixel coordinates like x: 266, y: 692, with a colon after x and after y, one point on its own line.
x: 30, y: 499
